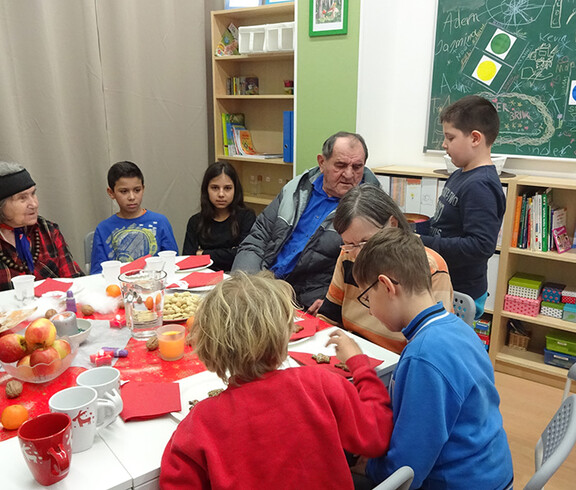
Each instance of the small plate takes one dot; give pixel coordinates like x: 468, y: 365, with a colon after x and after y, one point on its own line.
x: 11, y: 319
x: 194, y: 269
x: 84, y: 327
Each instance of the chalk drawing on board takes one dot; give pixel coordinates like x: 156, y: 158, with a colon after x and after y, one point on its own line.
x: 541, y: 62
x: 514, y: 13
x: 572, y: 95
x: 486, y: 70
x: 501, y: 44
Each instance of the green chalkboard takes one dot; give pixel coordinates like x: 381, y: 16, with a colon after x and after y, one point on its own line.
x: 521, y: 55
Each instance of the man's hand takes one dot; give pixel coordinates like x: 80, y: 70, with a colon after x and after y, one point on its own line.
x: 314, y: 307
x: 346, y: 347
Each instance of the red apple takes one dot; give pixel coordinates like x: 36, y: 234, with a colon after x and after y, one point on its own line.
x: 12, y: 347
x: 45, y: 361
x: 40, y: 333
x: 62, y: 347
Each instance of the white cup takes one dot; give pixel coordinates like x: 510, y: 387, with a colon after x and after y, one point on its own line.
x: 111, y: 271
x: 24, y: 287
x: 106, y: 381
x: 169, y: 257
x: 154, y: 264
x: 87, y: 412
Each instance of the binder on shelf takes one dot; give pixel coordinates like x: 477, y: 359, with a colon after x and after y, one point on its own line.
x: 288, y: 136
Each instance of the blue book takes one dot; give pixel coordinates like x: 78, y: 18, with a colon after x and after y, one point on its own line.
x: 288, y: 142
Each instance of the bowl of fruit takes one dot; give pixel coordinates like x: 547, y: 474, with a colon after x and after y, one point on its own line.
x: 39, y: 355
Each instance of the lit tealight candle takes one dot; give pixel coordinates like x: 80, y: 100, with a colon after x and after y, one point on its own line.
x: 171, y: 342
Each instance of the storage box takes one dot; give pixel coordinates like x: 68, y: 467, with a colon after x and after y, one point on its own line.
x: 552, y: 292
x: 525, y: 285
x: 485, y: 340
x: 555, y: 310
x: 517, y: 341
x: 523, y: 306
x: 251, y: 39
x: 280, y: 37
x: 482, y: 326
x: 563, y: 342
x: 569, y: 313
x: 557, y: 359
x: 569, y: 295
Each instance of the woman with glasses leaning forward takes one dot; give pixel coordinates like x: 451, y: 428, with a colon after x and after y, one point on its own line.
x: 360, y: 214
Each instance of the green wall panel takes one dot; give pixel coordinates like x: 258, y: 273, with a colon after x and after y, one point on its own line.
x: 326, y: 84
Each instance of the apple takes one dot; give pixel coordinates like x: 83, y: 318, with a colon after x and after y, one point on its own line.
x: 12, y: 347
x: 25, y: 361
x: 62, y: 347
x: 40, y: 333
x: 45, y: 361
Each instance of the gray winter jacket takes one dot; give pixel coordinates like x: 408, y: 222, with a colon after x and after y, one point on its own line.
x: 274, y: 226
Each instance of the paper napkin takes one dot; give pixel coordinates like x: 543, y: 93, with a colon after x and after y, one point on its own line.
x: 309, y: 327
x: 199, y: 279
x: 305, y: 358
x: 193, y: 261
x: 136, y: 264
x: 50, y: 285
x: 144, y: 401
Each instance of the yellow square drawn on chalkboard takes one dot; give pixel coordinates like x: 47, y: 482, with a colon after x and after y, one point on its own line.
x: 500, y: 43
x: 486, y: 70
x: 572, y: 95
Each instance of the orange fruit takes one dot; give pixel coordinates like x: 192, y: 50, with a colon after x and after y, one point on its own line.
x: 189, y: 323
x: 113, y: 290
x: 14, y: 416
x: 149, y: 303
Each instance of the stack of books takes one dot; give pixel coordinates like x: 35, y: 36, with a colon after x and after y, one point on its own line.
x: 238, y: 140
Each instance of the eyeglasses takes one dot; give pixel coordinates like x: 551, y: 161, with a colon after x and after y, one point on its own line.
x: 363, y: 296
x: 348, y: 247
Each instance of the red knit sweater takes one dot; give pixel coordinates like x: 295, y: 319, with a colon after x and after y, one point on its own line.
x: 286, y: 430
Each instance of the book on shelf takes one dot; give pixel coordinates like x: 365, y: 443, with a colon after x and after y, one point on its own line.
x: 245, y: 146
x: 242, y: 86
x: 228, y: 45
x: 230, y: 121
x: 516, y: 227
x: 545, y: 224
x: 561, y: 239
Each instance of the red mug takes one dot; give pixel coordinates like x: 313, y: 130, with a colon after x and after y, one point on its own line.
x: 45, y: 441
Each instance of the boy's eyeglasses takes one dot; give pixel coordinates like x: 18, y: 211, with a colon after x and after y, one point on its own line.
x: 349, y: 247
x: 363, y: 296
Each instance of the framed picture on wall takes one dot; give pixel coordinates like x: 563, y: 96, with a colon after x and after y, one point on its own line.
x: 236, y: 4
x: 328, y: 17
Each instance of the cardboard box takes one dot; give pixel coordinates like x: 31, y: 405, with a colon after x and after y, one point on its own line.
x: 525, y: 285
x: 523, y: 306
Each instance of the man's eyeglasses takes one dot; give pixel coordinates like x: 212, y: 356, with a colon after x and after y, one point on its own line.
x: 363, y: 296
x: 349, y: 247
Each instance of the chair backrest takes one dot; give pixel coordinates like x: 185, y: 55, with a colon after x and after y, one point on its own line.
x: 464, y: 307
x: 555, y: 444
x: 569, y: 378
x: 401, y: 479
x: 88, y: 241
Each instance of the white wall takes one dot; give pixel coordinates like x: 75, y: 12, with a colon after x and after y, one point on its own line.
x: 395, y: 62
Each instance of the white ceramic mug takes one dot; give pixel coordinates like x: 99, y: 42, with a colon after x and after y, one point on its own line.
x: 24, y: 287
x: 154, y: 263
x: 87, y: 412
x: 111, y: 271
x: 169, y: 257
x: 106, y: 381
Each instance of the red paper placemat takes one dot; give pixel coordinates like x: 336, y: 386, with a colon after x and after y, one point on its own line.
x: 143, y: 365
x: 193, y: 261
x: 200, y: 279
x: 35, y: 396
x: 306, y: 359
x: 309, y: 328
x: 143, y: 401
x: 50, y: 285
x: 136, y: 264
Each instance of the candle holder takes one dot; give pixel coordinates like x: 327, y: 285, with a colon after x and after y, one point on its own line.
x: 65, y: 323
x: 171, y: 341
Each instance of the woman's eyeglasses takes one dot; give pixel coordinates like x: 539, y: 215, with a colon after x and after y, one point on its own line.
x: 349, y: 247
x: 363, y: 296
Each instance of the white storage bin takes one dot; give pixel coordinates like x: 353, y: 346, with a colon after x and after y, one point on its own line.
x: 251, y: 39
x: 280, y: 37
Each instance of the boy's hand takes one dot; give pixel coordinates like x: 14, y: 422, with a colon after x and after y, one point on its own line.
x: 315, y: 307
x: 346, y: 347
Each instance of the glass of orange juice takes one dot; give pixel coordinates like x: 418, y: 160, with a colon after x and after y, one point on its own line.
x: 171, y: 341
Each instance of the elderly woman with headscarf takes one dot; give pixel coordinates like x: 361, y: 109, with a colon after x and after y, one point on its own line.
x: 29, y: 244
